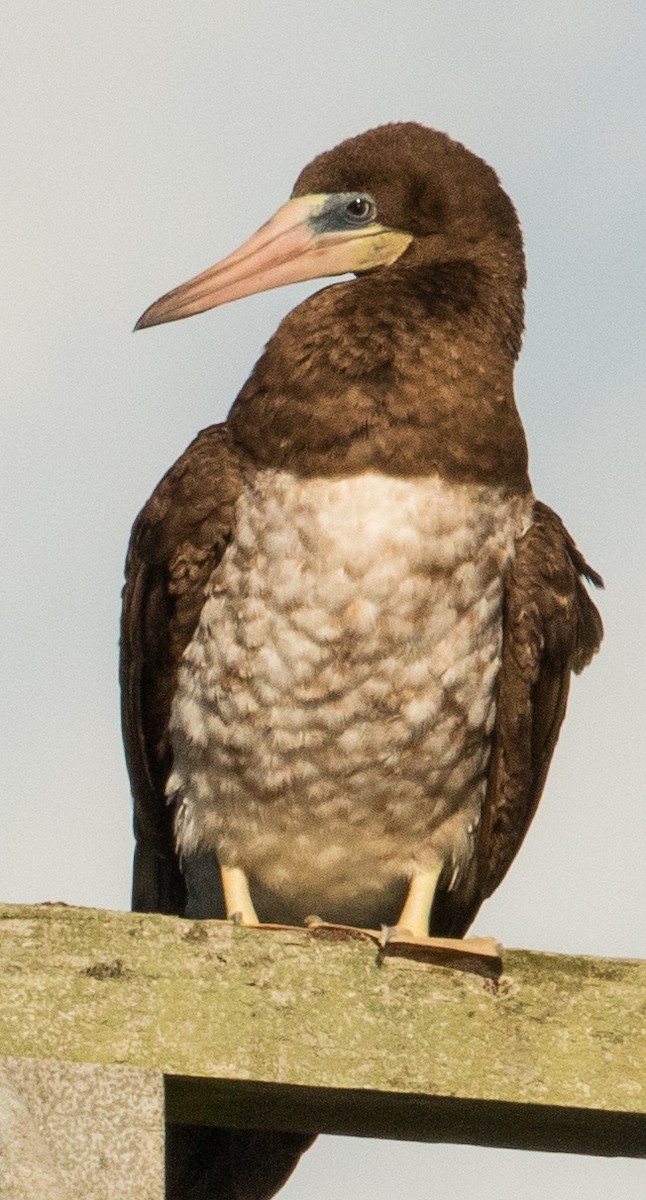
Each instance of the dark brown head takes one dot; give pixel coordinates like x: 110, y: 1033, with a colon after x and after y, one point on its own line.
x: 407, y: 369
x: 423, y: 183
x: 400, y: 193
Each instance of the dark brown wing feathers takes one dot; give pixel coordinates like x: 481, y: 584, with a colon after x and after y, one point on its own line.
x: 176, y: 543
x: 550, y: 628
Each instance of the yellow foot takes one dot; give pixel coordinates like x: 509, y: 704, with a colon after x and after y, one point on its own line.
x: 330, y: 931
x: 416, y: 913
x: 477, y: 954
x: 237, y: 898
x: 474, y: 953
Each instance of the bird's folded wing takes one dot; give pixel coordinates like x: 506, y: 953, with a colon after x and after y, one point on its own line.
x: 550, y: 628
x: 177, y: 541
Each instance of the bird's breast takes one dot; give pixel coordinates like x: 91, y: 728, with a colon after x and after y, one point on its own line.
x: 332, y: 723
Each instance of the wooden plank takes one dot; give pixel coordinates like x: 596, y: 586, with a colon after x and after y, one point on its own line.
x: 286, y: 1029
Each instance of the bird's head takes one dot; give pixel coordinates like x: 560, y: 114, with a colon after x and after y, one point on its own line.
x: 398, y: 192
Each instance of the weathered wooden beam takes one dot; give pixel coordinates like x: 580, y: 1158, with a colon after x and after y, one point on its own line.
x: 287, y: 1030
x: 80, y: 1131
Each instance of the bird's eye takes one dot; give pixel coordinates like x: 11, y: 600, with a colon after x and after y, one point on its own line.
x: 361, y: 210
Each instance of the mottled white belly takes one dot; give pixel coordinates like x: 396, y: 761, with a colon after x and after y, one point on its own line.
x: 332, y: 725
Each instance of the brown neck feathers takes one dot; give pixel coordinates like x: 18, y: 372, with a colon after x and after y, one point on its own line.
x: 407, y: 371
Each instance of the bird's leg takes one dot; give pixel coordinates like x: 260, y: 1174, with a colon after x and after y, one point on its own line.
x: 237, y: 897
x: 416, y: 913
x: 410, y: 937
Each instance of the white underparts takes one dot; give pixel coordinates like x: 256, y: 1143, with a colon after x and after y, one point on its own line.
x: 332, y: 725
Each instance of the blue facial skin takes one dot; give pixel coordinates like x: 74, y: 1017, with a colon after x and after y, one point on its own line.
x: 337, y: 215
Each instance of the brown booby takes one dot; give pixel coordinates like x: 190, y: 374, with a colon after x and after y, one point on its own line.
x: 348, y: 626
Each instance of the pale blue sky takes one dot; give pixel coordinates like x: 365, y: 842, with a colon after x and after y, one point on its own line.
x: 141, y: 141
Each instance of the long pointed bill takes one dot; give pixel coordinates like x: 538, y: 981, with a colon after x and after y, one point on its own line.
x: 293, y: 246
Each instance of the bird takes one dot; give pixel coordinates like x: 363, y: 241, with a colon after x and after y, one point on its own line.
x: 349, y: 626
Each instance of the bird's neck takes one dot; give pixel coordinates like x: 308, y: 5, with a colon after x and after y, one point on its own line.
x: 409, y: 372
